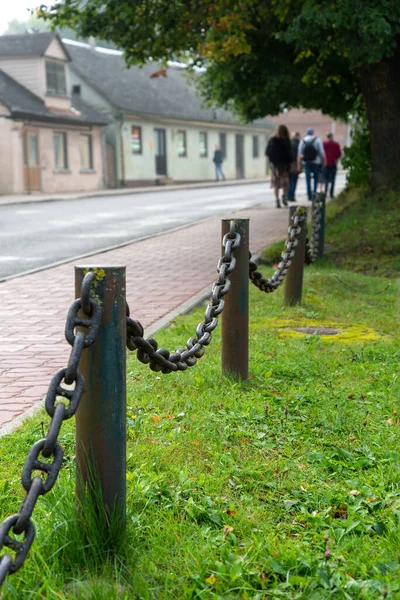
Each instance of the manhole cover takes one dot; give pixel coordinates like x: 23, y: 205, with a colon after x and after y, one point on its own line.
x: 320, y: 330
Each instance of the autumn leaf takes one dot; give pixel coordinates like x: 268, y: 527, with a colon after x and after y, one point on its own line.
x: 227, y: 529
x: 211, y: 579
x: 156, y: 418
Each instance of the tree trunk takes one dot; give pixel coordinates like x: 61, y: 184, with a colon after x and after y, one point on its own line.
x: 380, y: 85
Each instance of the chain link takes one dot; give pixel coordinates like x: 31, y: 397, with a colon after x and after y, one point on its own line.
x: 271, y: 284
x: 49, y: 448
x: 161, y: 359
x: 312, y: 246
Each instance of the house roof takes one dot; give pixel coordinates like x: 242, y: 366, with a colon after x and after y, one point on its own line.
x: 28, y: 44
x: 23, y: 104
x: 135, y: 90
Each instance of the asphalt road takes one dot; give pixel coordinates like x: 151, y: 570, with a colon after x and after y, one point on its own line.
x: 42, y: 233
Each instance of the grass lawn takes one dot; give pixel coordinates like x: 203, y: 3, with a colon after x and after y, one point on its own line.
x: 283, y: 486
x: 362, y: 234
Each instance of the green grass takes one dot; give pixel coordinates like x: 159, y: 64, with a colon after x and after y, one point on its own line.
x: 283, y: 486
x: 362, y: 234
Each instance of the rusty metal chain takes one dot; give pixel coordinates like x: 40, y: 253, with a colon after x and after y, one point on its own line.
x: 35, y: 486
x: 166, y: 362
x: 271, y: 284
x: 312, y: 245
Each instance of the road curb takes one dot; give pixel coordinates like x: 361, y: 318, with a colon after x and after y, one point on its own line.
x: 138, y: 190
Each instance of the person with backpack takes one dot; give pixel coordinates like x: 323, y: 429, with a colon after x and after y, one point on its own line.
x: 312, y: 155
x: 279, y: 152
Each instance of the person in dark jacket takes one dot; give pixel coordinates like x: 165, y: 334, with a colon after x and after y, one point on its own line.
x: 279, y: 152
x: 294, y: 171
x: 217, y: 160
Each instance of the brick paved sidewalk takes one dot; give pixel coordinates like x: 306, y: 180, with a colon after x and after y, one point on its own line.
x: 162, y: 273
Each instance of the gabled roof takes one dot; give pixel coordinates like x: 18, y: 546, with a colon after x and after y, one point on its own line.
x: 23, y: 104
x: 28, y: 44
x: 134, y: 90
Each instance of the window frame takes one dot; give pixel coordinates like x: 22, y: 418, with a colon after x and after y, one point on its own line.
x: 139, y: 128
x: 89, y: 137
x: 64, y: 138
x: 184, y: 153
x: 56, y: 92
x: 205, y: 153
x: 256, y: 146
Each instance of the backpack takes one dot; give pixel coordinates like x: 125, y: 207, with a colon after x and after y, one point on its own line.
x: 310, y: 152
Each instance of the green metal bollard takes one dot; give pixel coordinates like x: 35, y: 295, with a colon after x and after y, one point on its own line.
x: 294, y: 277
x: 101, y: 416
x: 321, y: 241
x: 235, y: 317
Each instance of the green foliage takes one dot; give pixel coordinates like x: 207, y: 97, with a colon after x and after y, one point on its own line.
x: 357, y: 157
x: 282, y: 486
x: 363, y: 232
x: 260, y: 56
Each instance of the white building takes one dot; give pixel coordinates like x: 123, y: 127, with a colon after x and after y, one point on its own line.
x: 158, y: 128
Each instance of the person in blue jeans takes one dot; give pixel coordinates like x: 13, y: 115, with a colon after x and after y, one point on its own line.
x: 217, y: 160
x: 312, y: 155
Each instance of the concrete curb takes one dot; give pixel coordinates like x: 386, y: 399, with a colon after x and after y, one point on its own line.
x: 127, y: 191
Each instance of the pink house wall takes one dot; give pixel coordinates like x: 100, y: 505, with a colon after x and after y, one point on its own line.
x: 74, y: 179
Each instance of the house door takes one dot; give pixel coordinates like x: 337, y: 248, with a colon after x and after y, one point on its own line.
x: 161, y: 151
x: 32, y: 178
x: 239, y: 156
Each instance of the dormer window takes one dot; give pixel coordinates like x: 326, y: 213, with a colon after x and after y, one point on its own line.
x: 55, y: 78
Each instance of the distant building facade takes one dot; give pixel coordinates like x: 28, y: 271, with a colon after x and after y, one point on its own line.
x: 49, y: 142
x: 158, y: 130
x: 299, y: 120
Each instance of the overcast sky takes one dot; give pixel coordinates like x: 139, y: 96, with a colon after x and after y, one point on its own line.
x: 17, y: 9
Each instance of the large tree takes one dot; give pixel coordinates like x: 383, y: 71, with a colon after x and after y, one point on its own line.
x: 265, y: 55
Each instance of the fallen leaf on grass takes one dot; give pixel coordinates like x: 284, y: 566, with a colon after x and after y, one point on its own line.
x: 155, y: 418
x: 390, y: 421
x: 211, y: 580
x: 227, y: 529
x: 231, y: 513
x: 354, y: 492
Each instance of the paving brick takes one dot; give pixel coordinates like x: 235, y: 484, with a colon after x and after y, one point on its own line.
x: 32, y: 350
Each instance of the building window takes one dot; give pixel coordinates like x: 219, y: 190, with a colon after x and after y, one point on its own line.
x: 55, y: 79
x: 203, y: 144
x: 60, y: 151
x: 256, y: 148
x: 136, y: 142
x: 181, y: 143
x: 222, y: 144
x: 86, y: 149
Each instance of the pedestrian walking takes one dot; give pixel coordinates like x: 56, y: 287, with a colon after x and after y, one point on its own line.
x: 294, y: 171
x: 312, y: 155
x: 218, y: 160
x: 279, y: 152
x: 332, y: 153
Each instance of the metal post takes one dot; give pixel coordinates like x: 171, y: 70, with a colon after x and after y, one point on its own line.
x: 235, y: 317
x: 294, y: 277
x: 101, y: 416
x: 321, y: 240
